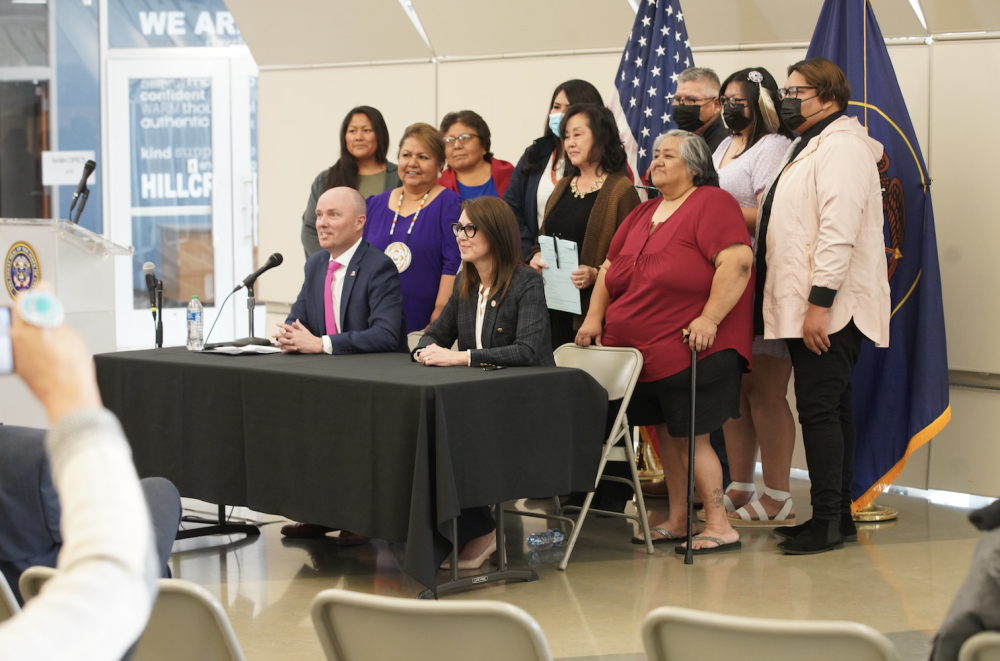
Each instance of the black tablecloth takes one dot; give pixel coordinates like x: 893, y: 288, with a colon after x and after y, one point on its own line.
x: 375, y: 444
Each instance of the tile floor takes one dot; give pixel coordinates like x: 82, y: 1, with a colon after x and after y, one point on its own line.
x: 899, y: 578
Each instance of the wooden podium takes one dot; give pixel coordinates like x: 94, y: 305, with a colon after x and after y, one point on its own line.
x: 79, y: 265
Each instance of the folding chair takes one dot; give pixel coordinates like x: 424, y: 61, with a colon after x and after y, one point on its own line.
x: 617, y: 370
x: 984, y: 646
x: 412, y: 339
x: 8, y: 603
x: 361, y: 627
x: 187, y: 622
x: 678, y: 634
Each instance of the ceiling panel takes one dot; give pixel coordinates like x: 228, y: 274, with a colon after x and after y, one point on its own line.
x: 326, y: 31
x: 962, y: 15
x: 486, y: 27
x: 731, y: 22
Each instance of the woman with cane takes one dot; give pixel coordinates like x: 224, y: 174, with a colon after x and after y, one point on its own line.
x: 681, y: 262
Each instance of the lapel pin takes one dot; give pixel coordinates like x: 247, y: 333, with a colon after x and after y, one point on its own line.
x: 493, y: 304
x: 352, y: 273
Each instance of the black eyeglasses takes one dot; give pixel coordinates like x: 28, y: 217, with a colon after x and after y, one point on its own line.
x: 469, y: 230
x: 793, y: 92
x: 464, y: 138
x: 733, y: 100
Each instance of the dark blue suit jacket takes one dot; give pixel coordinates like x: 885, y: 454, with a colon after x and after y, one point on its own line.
x: 371, y: 305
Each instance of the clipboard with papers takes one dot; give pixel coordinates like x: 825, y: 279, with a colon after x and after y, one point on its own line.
x: 562, y: 259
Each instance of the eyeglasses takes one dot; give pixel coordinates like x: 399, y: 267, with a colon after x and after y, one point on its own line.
x: 469, y: 230
x: 689, y: 101
x: 464, y: 138
x: 732, y: 100
x: 793, y: 92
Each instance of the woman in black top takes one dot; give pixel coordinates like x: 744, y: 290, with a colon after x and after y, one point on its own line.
x: 544, y: 158
x: 364, y: 142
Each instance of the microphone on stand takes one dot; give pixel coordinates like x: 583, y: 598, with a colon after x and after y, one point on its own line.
x: 248, y: 282
x: 272, y: 261
x: 88, y: 169
x: 82, y: 192
x: 155, y: 288
x: 150, y: 270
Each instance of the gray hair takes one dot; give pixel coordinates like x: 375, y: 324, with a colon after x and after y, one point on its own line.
x: 696, y: 154
x: 707, y: 76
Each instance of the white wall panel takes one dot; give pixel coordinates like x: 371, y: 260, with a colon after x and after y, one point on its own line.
x: 965, y: 456
x: 300, y: 116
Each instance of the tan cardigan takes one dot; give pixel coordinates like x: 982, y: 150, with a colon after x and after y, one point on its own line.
x: 614, y: 202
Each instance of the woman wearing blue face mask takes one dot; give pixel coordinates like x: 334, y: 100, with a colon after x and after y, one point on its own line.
x: 541, y: 166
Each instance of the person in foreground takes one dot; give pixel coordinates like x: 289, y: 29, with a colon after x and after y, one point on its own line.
x: 822, y: 284
x: 681, y: 262
x: 976, y: 606
x: 498, y: 315
x: 97, y: 606
x: 350, y: 300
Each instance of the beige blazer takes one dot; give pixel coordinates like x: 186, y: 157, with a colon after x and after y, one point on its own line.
x: 826, y: 230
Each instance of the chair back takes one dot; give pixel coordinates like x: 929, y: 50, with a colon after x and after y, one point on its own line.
x: 615, y: 368
x: 187, y: 623
x: 360, y: 627
x: 8, y: 603
x: 675, y: 634
x: 412, y: 339
x: 984, y: 646
x: 32, y: 580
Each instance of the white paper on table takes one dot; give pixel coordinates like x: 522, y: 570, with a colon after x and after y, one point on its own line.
x: 560, y: 292
x: 250, y: 348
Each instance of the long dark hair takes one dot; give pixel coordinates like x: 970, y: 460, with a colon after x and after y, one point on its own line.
x: 494, y: 220
x: 345, y: 171
x: 610, y: 153
x: 577, y: 91
x: 748, y: 90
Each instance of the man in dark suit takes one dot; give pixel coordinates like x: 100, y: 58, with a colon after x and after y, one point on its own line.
x: 350, y: 301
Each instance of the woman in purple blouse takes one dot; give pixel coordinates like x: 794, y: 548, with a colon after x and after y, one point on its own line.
x: 747, y: 161
x: 412, y: 224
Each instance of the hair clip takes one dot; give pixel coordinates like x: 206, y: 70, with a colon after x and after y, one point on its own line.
x: 765, y: 102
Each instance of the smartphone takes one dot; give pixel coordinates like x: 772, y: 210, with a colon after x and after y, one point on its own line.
x: 6, y: 349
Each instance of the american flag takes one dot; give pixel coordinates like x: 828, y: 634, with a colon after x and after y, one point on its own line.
x: 656, y: 53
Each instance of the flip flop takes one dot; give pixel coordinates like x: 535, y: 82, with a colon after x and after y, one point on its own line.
x: 668, y: 537
x: 721, y: 548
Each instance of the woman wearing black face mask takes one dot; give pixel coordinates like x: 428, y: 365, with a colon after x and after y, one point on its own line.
x: 746, y: 162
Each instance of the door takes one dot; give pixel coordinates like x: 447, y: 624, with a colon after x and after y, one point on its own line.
x: 172, y: 193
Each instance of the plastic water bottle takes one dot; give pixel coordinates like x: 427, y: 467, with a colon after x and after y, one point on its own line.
x: 196, y: 325
x: 551, y: 538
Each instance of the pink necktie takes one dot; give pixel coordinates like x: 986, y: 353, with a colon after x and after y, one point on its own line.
x: 331, y: 321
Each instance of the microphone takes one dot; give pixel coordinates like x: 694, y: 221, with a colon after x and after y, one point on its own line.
x: 272, y: 261
x: 149, y: 269
x: 88, y: 169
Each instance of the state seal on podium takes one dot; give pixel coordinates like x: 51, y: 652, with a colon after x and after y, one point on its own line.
x: 21, y: 272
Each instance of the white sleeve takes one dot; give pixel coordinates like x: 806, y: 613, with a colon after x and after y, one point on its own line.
x: 327, y: 344
x: 98, y: 604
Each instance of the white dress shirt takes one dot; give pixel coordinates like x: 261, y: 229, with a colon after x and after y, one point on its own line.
x: 337, y: 288
x: 484, y: 297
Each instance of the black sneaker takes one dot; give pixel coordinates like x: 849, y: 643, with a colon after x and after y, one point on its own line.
x: 817, y: 536
x: 847, y: 529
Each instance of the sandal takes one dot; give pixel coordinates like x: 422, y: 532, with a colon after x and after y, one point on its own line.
x: 738, y: 486
x: 782, y: 518
x: 668, y: 537
x: 720, y: 546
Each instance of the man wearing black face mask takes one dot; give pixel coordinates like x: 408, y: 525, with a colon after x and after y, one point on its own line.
x: 696, y: 105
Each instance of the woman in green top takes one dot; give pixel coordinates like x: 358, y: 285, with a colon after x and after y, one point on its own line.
x: 364, y: 142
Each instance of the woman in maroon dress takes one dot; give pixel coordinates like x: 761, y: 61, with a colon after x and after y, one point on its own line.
x: 681, y: 262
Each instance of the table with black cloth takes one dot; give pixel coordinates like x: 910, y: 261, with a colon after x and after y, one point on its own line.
x: 375, y: 444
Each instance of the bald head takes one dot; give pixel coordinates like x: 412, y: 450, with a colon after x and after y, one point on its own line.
x: 340, y: 219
